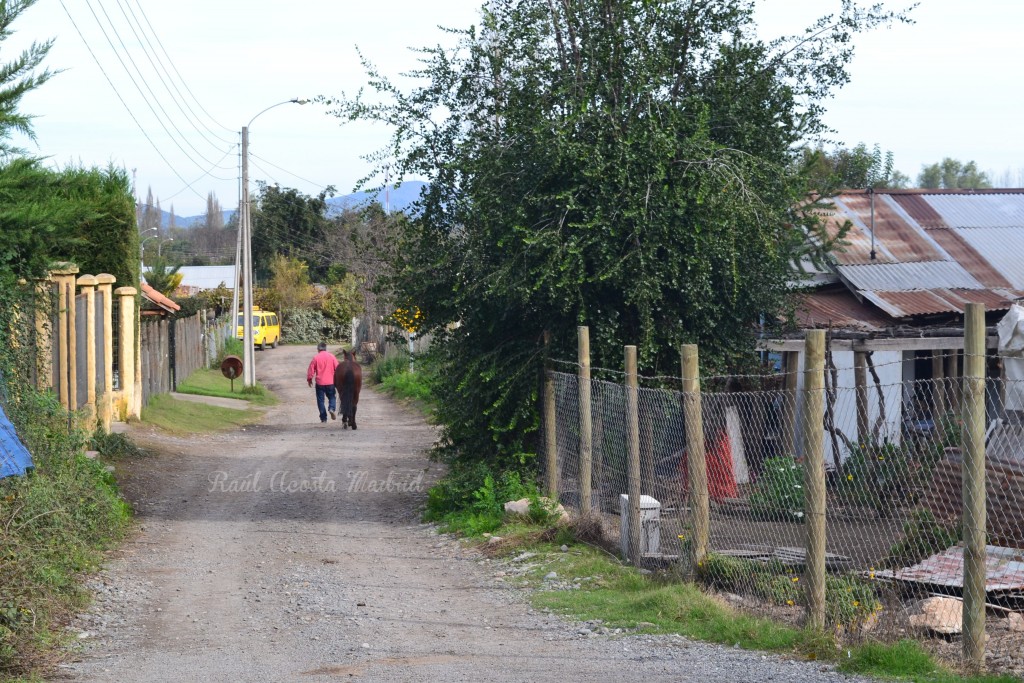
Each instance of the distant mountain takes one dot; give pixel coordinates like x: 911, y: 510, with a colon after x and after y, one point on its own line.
x: 399, y: 199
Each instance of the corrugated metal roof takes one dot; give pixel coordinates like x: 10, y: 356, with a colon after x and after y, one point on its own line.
x: 207, y: 277
x: 904, y: 304
x: 909, y: 276
x: 1004, y: 569
x: 838, y: 307
x: 979, y: 210
x: 934, y: 250
x: 1002, y: 248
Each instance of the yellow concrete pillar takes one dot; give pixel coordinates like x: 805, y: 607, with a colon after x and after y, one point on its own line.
x: 87, y: 284
x: 64, y: 275
x: 126, y: 351
x: 44, y: 334
x: 105, y: 400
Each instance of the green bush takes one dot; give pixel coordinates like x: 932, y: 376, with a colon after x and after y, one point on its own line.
x: 923, y: 536
x: 883, y: 475
x: 391, y: 364
x: 779, y: 491
x: 472, y: 501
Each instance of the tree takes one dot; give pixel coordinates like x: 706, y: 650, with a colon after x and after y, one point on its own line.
x: 214, y: 214
x: 620, y: 164
x: 151, y: 214
x: 162, y: 276
x: 344, y: 299
x: 289, y: 280
x: 952, y: 174
x: 850, y: 168
x: 27, y: 228
x: 287, y: 222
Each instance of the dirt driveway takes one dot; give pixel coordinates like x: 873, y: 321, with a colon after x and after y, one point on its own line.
x: 282, y: 553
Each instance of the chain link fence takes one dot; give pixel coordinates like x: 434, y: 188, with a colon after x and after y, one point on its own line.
x: 880, y: 460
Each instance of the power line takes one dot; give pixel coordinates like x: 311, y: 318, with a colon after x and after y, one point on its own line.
x: 137, y: 87
x: 125, y: 104
x: 171, y: 62
x: 180, y: 98
x: 204, y: 175
x: 294, y: 175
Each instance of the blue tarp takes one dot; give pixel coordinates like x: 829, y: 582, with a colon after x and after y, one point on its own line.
x: 14, y: 457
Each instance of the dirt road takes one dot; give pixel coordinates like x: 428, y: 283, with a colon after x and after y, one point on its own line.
x: 292, y: 551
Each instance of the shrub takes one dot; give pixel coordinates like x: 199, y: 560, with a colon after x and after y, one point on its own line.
x: 779, y: 491
x: 923, y: 536
x: 307, y: 326
x: 472, y: 501
x: 884, y: 475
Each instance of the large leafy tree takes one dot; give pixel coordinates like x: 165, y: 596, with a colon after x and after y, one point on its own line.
x: 287, y: 222
x: 624, y: 165
x: 851, y: 168
x: 953, y: 174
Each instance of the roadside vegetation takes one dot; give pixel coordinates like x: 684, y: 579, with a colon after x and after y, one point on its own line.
x: 56, y: 521
x: 619, y: 597
x: 392, y: 374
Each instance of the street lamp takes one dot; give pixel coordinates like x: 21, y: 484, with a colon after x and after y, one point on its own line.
x: 161, y: 243
x: 245, y: 240
x: 142, y: 248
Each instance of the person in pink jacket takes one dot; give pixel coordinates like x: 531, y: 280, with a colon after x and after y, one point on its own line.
x: 321, y: 369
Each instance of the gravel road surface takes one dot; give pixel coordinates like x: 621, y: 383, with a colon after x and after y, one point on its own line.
x: 293, y: 551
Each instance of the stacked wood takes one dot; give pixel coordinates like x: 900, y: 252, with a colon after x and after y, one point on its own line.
x: 1004, y: 508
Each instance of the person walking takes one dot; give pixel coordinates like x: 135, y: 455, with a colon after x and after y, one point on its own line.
x: 321, y: 369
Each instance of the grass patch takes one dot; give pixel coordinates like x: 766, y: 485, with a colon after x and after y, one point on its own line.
x: 907, y: 660
x: 206, y: 382
x: 186, y: 417
x: 621, y: 597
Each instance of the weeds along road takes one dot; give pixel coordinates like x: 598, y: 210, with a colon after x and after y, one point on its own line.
x: 264, y: 554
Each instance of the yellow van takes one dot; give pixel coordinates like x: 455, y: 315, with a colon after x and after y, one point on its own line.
x: 266, y: 328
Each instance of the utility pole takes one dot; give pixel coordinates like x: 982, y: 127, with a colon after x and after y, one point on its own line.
x: 249, y: 351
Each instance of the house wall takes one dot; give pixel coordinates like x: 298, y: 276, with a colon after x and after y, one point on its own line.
x: 890, y: 368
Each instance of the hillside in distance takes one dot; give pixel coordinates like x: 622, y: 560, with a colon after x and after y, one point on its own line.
x: 398, y: 199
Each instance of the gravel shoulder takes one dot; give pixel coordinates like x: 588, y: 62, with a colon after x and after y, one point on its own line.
x: 292, y: 551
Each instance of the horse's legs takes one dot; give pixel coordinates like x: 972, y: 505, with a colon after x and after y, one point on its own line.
x: 352, y: 419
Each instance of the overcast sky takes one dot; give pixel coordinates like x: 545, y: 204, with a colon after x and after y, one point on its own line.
x: 941, y: 87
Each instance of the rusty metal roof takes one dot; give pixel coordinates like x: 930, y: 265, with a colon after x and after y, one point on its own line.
x: 934, y: 250
x: 1004, y: 570
x: 838, y: 307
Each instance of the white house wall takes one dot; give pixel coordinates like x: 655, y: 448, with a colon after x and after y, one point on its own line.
x: 889, y: 366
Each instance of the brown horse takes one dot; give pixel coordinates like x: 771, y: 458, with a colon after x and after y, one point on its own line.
x: 348, y: 380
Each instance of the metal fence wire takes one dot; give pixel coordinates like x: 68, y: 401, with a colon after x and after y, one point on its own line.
x: 895, y: 514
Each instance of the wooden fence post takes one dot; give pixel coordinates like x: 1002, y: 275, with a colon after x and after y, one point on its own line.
x: 814, y: 475
x: 939, y: 405
x: 973, y: 404
x: 633, y: 453
x: 697, y: 471
x: 860, y: 382
x: 550, y: 442
x: 586, y: 421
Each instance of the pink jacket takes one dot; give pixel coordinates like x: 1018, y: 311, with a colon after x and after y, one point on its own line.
x: 322, y: 367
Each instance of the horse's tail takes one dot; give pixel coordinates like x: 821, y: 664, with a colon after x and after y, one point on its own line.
x: 347, y: 391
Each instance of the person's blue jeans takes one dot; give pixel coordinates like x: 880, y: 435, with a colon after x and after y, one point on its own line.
x: 327, y: 390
